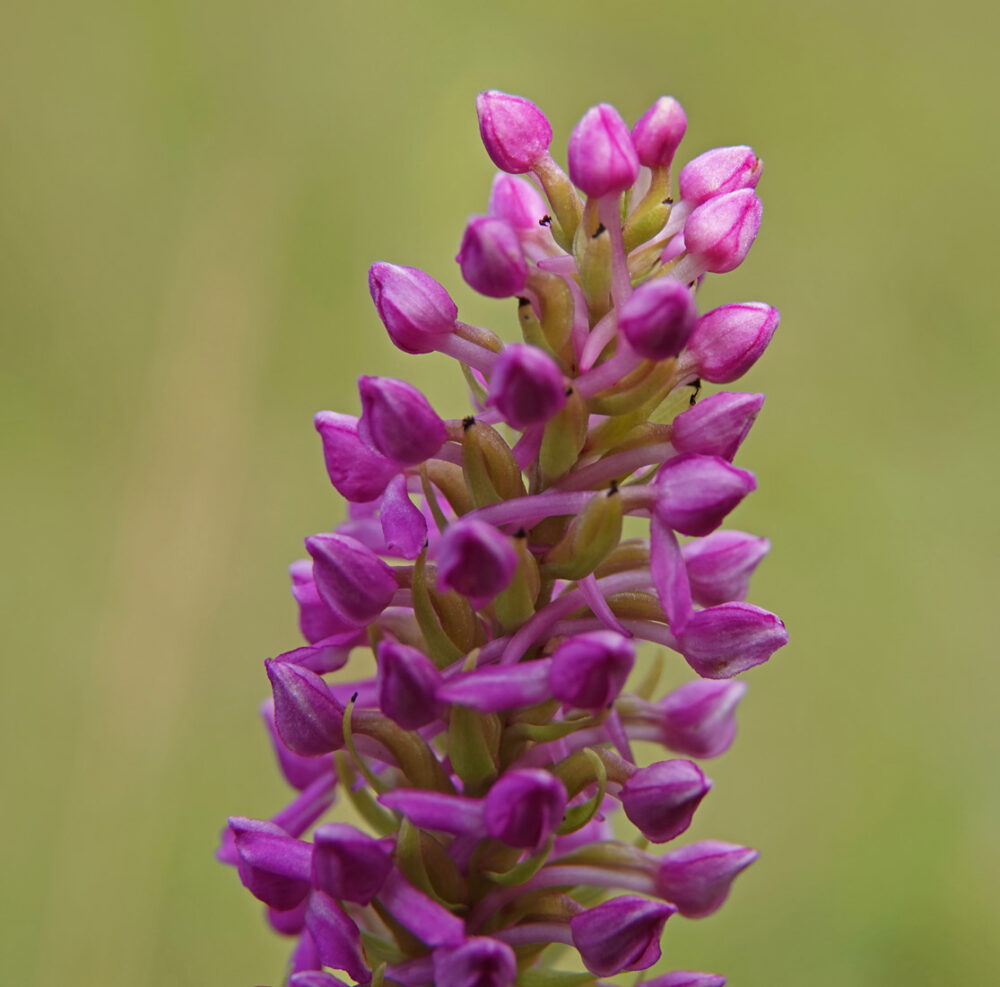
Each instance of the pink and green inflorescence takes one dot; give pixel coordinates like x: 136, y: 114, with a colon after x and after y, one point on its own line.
x: 484, y: 574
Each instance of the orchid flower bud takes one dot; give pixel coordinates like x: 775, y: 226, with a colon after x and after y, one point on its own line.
x: 719, y: 567
x: 526, y: 385
x: 515, y: 132
x: 478, y: 962
x: 589, y: 670
x: 316, y: 620
x: 357, y: 472
x: 719, y: 171
x: 491, y: 259
x: 697, y: 878
x: 716, y: 426
x: 720, y: 232
x: 686, y: 978
x: 695, y: 493
x: 659, y: 132
x: 524, y: 807
x: 290, y: 923
x: 698, y: 719
x: 403, y: 525
x: 658, y: 318
x: 620, y: 934
x: 308, y: 718
x: 661, y: 799
x: 415, y: 310
x: 348, y: 864
x: 518, y: 202
x: 407, y: 683
x: 338, y: 939
x: 728, y: 639
x: 398, y: 421
x: 300, y: 772
x: 305, y: 958
x: 352, y: 580
x: 475, y: 559
x: 272, y: 865
x: 602, y: 157
x: 730, y: 339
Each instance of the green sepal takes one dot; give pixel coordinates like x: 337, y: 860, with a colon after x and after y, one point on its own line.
x: 473, y: 746
x: 531, y: 329
x: 379, y: 950
x: 409, y: 857
x: 563, y: 198
x: 479, y: 393
x: 647, y: 687
x: 450, y: 480
x: 579, y: 815
x: 642, y: 399
x: 381, y: 819
x: 491, y: 471
x: 516, y: 604
x: 413, y: 756
x: 525, y: 870
x: 591, y: 537
x: 612, y: 854
x: 564, y: 436
x: 542, y: 733
x: 441, y: 649
x: 557, y: 310
x: 373, y: 780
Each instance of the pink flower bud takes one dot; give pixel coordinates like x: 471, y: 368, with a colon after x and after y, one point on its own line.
x: 407, y: 684
x: 716, y: 172
x: 475, y: 559
x: 337, y: 938
x: 352, y: 580
x: 658, y: 318
x: 398, y: 421
x: 699, y: 718
x: 414, y: 308
x: 478, y: 962
x: 349, y: 864
x: 589, y: 670
x: 298, y: 771
x: 403, y: 524
x: 316, y: 620
x: 491, y: 259
x: 514, y: 131
x: 719, y: 567
x: 697, y: 878
x: 517, y: 201
x: 526, y: 385
x: 602, y: 157
x: 308, y: 718
x: 358, y: 473
x: 730, y: 339
x: 720, y: 232
x: 716, y: 426
x: 273, y: 866
x: 661, y: 799
x: 697, y: 492
x: 620, y: 934
x: 723, y: 641
x: 659, y: 131
x: 524, y: 807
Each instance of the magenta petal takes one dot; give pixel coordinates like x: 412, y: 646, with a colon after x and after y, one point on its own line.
x: 348, y: 864
x: 338, y: 940
x: 589, y: 670
x: 720, y: 565
x: 620, y: 934
x: 659, y: 131
x: 474, y: 559
x: 352, y: 580
x: 695, y: 493
x: 358, y: 472
x: 686, y: 978
x: 699, y: 719
x: 697, y: 878
x: 307, y: 717
x: 403, y: 524
x: 728, y: 340
x: 398, y: 421
x: 602, y: 157
x: 434, y: 810
x: 491, y: 259
x: 716, y: 426
x: 660, y: 800
x: 723, y: 641
x: 716, y: 172
x: 478, y: 962
x: 417, y: 312
x: 273, y: 866
x: 524, y: 806
x: 408, y: 682
x: 425, y: 918
x: 669, y: 574
x: 526, y: 385
x: 517, y: 201
x: 493, y: 689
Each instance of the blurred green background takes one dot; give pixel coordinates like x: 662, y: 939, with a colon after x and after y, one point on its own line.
x: 192, y: 193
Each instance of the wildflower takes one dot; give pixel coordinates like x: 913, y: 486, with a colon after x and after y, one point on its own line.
x: 483, y: 567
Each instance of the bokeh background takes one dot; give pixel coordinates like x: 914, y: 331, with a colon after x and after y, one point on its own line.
x: 192, y: 193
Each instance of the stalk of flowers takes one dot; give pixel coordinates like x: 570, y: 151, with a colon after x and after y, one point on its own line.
x: 483, y: 566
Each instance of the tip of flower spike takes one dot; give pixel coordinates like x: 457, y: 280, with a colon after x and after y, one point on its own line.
x: 659, y: 131
x: 602, y: 157
x: 515, y: 132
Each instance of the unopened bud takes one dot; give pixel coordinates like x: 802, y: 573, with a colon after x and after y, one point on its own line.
x: 719, y: 566
x: 515, y: 132
x: 602, y: 157
x: 695, y: 493
x: 478, y: 962
x: 415, y: 310
x: 308, y: 718
x: 716, y: 426
x: 697, y: 878
x: 407, y: 683
x: 349, y: 864
x: 398, y: 421
x: 358, y: 472
x: 730, y: 339
x: 524, y: 806
x: 491, y: 259
x: 716, y: 172
x: 723, y: 641
x: 475, y: 559
x: 620, y: 934
x: 526, y: 385
x: 720, y: 232
x: 273, y: 866
x: 518, y: 202
x: 658, y: 318
x: 659, y: 131
x: 589, y: 670
x: 352, y: 580
x: 699, y: 719
x: 660, y: 799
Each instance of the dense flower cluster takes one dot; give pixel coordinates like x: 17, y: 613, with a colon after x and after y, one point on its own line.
x: 484, y: 568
